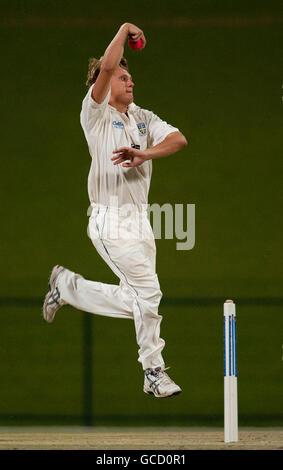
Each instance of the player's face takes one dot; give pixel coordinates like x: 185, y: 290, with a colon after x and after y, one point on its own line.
x: 122, y: 87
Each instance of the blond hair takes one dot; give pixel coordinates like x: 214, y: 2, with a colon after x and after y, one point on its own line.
x: 94, y: 66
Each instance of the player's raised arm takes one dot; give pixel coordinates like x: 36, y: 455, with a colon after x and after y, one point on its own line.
x: 112, y: 58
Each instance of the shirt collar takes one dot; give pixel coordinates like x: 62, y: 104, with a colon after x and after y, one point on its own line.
x: 130, y: 108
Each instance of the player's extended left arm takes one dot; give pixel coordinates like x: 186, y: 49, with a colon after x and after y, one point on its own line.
x: 170, y: 145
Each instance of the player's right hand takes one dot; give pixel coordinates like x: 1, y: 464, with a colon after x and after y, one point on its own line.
x: 135, y: 33
x: 122, y: 155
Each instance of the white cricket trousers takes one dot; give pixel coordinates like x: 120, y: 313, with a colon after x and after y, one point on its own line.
x: 126, y: 243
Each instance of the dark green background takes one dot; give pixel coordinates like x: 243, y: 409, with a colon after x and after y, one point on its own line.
x: 213, y: 69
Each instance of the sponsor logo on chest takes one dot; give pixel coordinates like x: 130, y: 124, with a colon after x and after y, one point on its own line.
x: 118, y: 124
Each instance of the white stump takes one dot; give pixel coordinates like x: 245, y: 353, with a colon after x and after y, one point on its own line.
x: 230, y: 374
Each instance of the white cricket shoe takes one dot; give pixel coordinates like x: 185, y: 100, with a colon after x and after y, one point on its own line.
x: 159, y: 384
x: 52, y: 301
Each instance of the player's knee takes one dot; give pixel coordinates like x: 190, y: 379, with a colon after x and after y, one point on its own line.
x: 158, y: 295
x: 152, y: 294
x: 157, y: 298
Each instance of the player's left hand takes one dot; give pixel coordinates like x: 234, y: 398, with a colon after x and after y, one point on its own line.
x: 136, y: 157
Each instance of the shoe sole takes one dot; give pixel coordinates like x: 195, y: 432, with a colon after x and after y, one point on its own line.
x: 44, y: 310
x: 163, y: 396
x: 52, y: 279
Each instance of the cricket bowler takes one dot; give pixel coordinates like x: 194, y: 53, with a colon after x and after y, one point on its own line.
x: 122, y: 139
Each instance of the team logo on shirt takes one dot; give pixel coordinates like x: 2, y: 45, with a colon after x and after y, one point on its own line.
x: 142, y: 128
x: 118, y: 124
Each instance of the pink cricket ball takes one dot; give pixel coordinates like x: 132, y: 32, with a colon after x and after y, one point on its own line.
x: 135, y: 45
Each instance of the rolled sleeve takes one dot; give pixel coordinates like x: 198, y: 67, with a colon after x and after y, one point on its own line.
x: 158, y: 130
x: 91, y: 110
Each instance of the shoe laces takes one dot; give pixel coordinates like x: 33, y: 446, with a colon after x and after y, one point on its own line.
x: 161, y: 375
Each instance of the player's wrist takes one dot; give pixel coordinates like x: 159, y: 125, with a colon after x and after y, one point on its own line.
x: 125, y: 28
x: 147, y: 154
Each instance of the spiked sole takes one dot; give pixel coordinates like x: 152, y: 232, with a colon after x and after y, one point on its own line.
x: 44, y: 311
x: 163, y: 396
x: 51, y: 281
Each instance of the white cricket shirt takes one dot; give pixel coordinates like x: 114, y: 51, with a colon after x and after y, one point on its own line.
x: 106, y: 129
